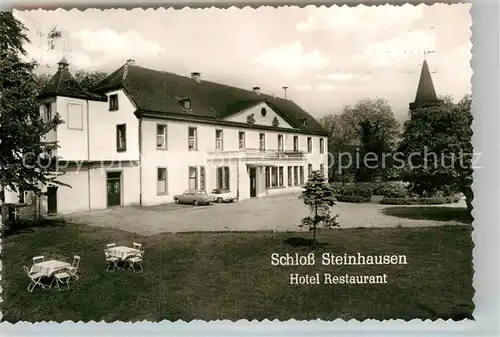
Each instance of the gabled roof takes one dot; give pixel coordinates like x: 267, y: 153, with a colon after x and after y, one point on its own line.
x: 160, y: 92
x: 426, y: 94
x: 64, y: 84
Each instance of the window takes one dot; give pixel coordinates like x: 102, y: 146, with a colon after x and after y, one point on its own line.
x: 202, y: 178
x: 186, y: 104
x: 262, y: 142
x: 218, y: 140
x: 223, y: 178
x: 47, y: 112
x: 301, y: 175
x: 21, y: 196
x: 280, y: 142
x: 75, y: 117
x: 295, y: 143
x: 161, y: 136
x: 295, y: 175
x: 290, y: 176
x: 309, y: 170
x: 263, y: 112
x: 192, y: 139
x: 274, y: 176
x: 321, y: 145
x: 113, y: 102
x: 241, y: 139
x: 121, y: 138
x: 193, y: 178
x: 309, y: 145
x: 161, y: 186
x: 280, y: 176
x: 268, y: 176
x: 322, y: 169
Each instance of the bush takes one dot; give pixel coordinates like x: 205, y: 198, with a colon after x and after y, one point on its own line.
x: 359, y: 190
x: 352, y: 198
x: 420, y: 201
x: 394, y: 191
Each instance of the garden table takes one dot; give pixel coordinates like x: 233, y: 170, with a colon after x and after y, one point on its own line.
x: 122, y: 252
x: 49, y: 267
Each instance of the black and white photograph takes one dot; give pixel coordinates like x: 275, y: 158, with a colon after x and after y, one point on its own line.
x: 242, y: 163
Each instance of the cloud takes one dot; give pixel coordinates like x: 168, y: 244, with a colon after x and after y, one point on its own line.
x: 291, y: 59
x: 86, y: 49
x: 304, y: 87
x: 336, y: 77
x: 359, y: 18
x: 111, y: 45
x: 398, y: 49
x: 324, y: 87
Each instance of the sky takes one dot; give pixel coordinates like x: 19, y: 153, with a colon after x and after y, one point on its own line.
x: 327, y: 57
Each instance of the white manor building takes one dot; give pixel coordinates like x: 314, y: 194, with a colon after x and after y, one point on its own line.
x: 141, y: 136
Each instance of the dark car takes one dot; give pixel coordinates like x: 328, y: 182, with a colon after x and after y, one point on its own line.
x: 194, y: 197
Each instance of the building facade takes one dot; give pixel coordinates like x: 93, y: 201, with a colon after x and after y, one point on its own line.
x: 142, y: 136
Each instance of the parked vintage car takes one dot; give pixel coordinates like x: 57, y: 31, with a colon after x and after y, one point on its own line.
x: 194, y: 197
x: 220, y: 195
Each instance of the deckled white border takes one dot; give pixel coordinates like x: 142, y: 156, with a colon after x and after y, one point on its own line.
x: 485, y: 64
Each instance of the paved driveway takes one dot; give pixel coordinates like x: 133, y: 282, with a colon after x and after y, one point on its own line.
x: 280, y: 213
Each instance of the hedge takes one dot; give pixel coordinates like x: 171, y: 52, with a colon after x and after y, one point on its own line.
x: 420, y: 201
x: 352, y: 198
x: 359, y: 190
x: 394, y: 191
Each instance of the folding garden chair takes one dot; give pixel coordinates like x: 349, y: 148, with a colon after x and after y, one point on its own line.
x: 111, y: 261
x: 74, y: 266
x: 38, y: 259
x: 61, y: 278
x: 35, y: 279
x: 136, y: 261
x: 137, y: 246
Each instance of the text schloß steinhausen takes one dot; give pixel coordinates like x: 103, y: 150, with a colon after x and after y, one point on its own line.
x: 329, y: 259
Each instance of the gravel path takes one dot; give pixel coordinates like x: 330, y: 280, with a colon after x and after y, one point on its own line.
x: 279, y: 213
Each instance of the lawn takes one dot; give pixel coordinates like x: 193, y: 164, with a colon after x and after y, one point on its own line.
x: 229, y: 276
x: 435, y: 213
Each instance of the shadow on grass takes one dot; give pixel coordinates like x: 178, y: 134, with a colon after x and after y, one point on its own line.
x: 28, y: 225
x: 435, y: 213
x: 303, y: 242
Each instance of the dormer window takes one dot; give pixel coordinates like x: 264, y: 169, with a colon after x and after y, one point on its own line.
x: 186, y: 104
x: 303, y: 121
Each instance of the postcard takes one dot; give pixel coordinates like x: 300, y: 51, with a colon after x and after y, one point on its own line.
x: 243, y: 163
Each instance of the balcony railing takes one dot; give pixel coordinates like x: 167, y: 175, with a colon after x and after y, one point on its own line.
x: 258, y: 154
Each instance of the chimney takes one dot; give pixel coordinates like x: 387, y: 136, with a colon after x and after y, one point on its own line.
x: 256, y: 90
x: 130, y: 62
x: 285, y: 88
x: 196, y: 76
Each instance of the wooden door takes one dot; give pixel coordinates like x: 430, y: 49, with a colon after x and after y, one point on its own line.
x: 114, y: 189
x: 253, y: 182
x: 52, y: 200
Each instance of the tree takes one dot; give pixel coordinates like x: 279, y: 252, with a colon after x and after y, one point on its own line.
x: 341, y: 134
x: 369, y: 123
x: 23, y: 153
x: 87, y: 79
x: 438, y: 139
x: 320, y: 198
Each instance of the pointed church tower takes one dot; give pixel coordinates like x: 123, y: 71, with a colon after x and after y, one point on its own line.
x: 426, y: 94
x: 64, y: 84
